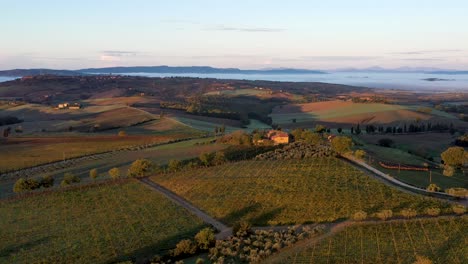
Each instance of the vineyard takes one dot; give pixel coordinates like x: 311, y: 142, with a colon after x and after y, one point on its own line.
x: 288, y: 191
x: 440, y: 240
x: 96, y: 225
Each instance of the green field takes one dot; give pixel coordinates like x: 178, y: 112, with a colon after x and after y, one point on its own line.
x: 440, y: 240
x: 95, y: 225
x: 285, y: 192
x: 122, y: 160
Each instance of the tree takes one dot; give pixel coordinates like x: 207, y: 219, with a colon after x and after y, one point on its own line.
x: 205, y: 238
x: 174, y: 165
x: 360, y: 154
x: 69, y: 178
x: 312, y: 138
x: 22, y: 185
x: 141, y: 168
x: 206, y: 158
x: 320, y: 128
x: 458, y: 209
x: 455, y: 156
x: 457, y: 192
x: 114, y: 173
x: 219, y: 158
x: 422, y: 260
x: 93, y: 174
x: 448, y: 171
x: 47, y: 181
x: 122, y: 133
x: 341, y: 144
x: 433, y: 188
x: 339, y: 130
x: 409, y: 213
x: 359, y: 216
x: 241, y: 229
x: 433, y: 211
x: 384, y: 214
x: 185, y: 247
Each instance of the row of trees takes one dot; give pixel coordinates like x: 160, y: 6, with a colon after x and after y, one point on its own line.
x: 406, y: 213
x: 412, y: 128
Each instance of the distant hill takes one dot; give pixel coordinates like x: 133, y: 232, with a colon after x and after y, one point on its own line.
x: 29, y: 72
x: 153, y: 69
x: 449, y: 72
x: 195, y: 69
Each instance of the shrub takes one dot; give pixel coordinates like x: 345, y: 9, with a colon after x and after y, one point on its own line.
x: 122, y: 133
x: 206, y: 159
x: 454, y: 156
x: 458, y: 192
x: 360, y: 216
x: 174, y: 165
x: 205, y: 238
x: 448, y: 171
x: 422, y: 260
x: 360, y: 154
x: 433, y: 211
x: 47, y: 181
x: 93, y: 174
x: 458, y: 209
x: 69, y: 178
x: 433, y: 188
x: 241, y: 228
x: 199, y: 261
x: 141, y: 168
x: 219, y: 158
x: 384, y: 214
x: 341, y: 144
x: 114, y: 173
x: 185, y: 246
x: 409, y: 213
x: 22, y: 185
x: 386, y: 142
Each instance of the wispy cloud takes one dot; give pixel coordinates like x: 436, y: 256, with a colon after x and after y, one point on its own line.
x: 422, y: 52
x: 247, y: 29
x: 339, y: 58
x: 423, y: 59
x: 119, y: 53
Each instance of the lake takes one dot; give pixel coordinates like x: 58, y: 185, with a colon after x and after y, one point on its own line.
x: 5, y: 79
x: 407, y: 81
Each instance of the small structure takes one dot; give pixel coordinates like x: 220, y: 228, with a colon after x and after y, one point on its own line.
x: 278, y: 137
x: 75, y: 106
x: 62, y: 106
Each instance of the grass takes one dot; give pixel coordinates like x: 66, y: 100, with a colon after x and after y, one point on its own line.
x: 24, y: 152
x: 240, y: 92
x: 96, y: 225
x: 159, y: 154
x: 440, y: 240
x: 286, y: 192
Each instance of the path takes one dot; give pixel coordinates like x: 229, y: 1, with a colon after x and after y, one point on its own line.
x: 392, y: 182
x: 224, y: 231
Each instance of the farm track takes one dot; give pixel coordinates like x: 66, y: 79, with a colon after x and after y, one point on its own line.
x: 62, y: 164
x: 224, y: 230
x: 392, y: 182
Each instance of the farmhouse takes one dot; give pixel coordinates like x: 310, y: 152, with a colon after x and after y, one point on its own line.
x: 278, y: 137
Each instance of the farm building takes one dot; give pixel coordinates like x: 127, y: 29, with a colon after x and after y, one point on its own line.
x: 278, y: 137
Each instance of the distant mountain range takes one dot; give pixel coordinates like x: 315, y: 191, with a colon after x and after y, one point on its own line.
x: 212, y: 70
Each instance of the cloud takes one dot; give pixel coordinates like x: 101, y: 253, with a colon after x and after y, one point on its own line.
x: 423, y: 59
x: 247, y: 29
x: 119, y: 53
x: 422, y: 52
x: 339, y: 58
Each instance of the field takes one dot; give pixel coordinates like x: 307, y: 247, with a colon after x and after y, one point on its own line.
x: 122, y: 160
x: 95, y: 225
x: 24, y: 152
x: 440, y: 240
x: 340, y: 112
x: 285, y: 192
x: 417, y: 178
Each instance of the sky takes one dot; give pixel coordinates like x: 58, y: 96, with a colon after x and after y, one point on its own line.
x: 245, y: 34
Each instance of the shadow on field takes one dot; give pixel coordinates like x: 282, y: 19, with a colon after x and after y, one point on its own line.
x: 145, y: 254
x: 13, y: 249
x: 253, y: 214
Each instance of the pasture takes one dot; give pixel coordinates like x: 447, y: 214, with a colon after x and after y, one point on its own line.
x: 98, y: 224
x: 340, y: 112
x: 288, y: 191
x: 440, y: 240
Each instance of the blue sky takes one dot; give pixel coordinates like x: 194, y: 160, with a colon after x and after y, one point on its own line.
x: 245, y: 34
